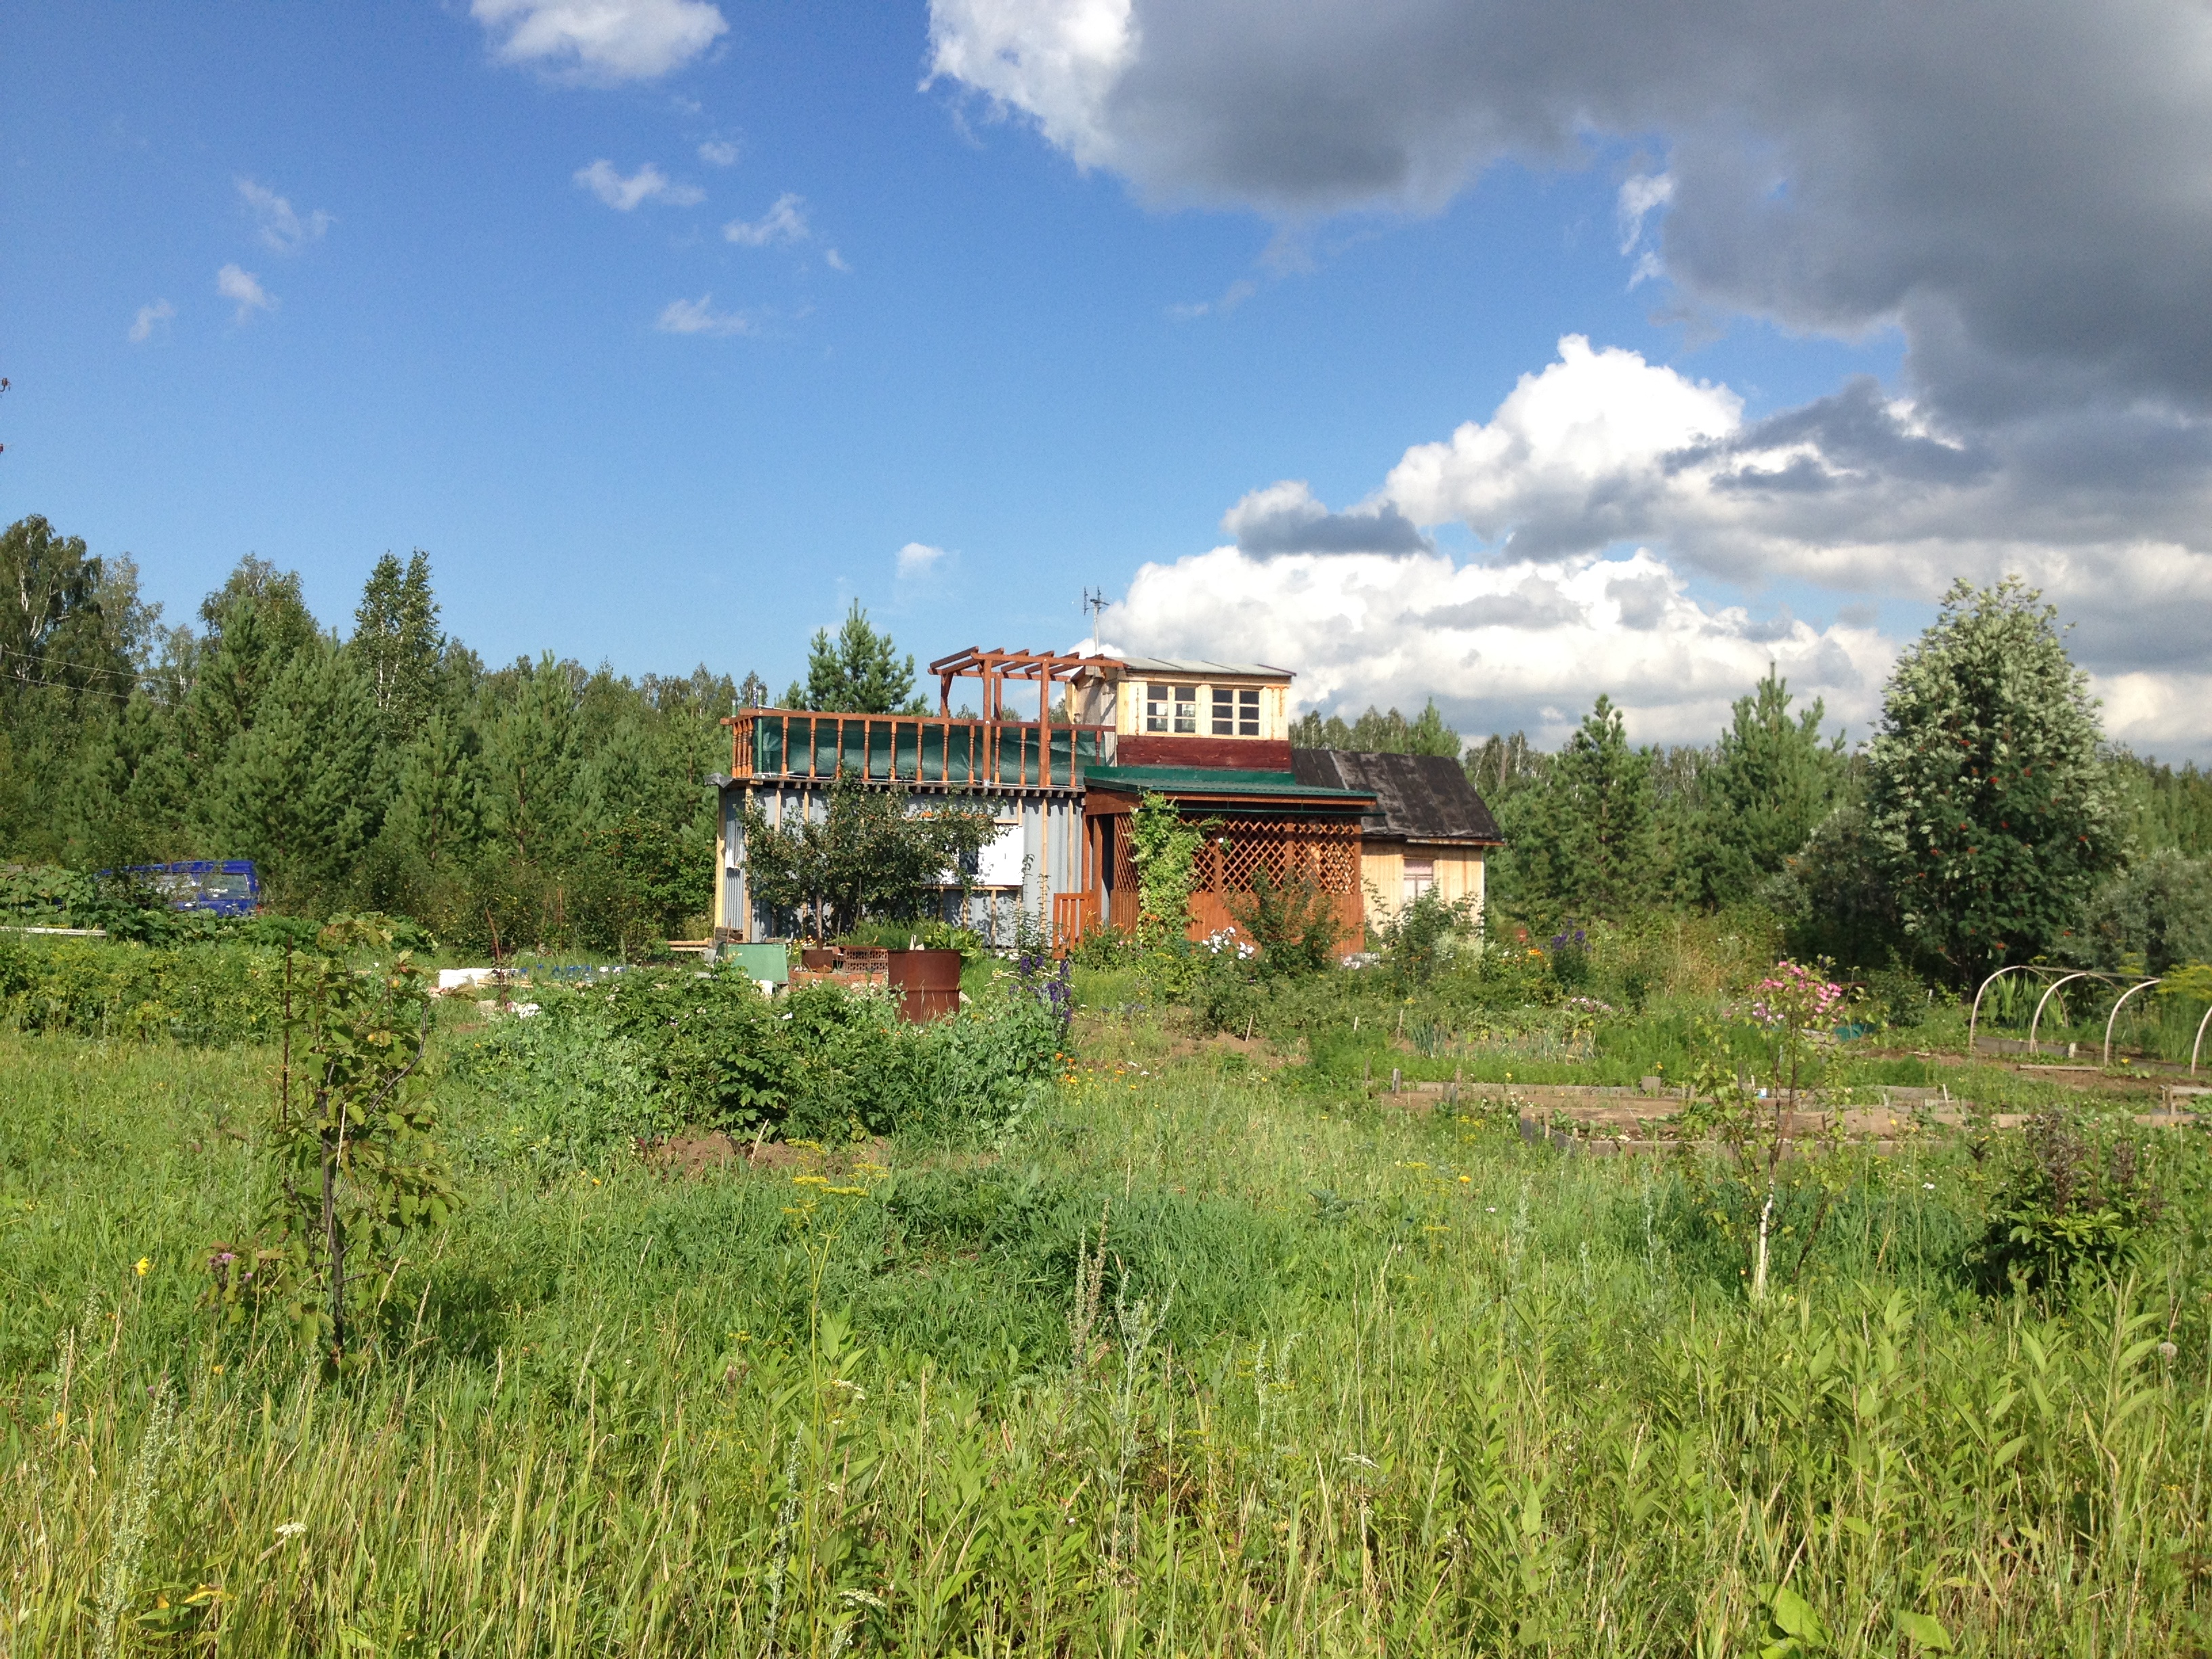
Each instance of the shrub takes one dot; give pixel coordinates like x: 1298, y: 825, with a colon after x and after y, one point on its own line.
x: 1569, y: 951
x: 651, y: 1051
x: 2159, y: 913
x: 1224, y: 994
x: 871, y: 856
x: 210, y: 995
x: 2068, y: 1201
x: 1425, y: 935
x: 1294, y: 922
x: 577, y: 1097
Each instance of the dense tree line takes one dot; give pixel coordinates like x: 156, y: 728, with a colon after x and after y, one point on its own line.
x: 386, y: 768
x: 543, y: 803
x: 1985, y: 822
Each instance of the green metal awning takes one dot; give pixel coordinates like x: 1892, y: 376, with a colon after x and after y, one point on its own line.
x: 1222, y: 783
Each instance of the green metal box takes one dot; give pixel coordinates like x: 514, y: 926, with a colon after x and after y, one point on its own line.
x: 769, y: 962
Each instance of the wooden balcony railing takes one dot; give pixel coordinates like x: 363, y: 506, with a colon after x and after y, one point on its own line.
x: 910, y: 749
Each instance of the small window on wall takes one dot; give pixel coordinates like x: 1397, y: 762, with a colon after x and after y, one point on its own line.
x: 1156, y: 699
x: 1186, y: 708
x: 1420, y: 876
x: 1236, y: 712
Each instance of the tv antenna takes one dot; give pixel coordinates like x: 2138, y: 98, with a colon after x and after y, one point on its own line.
x: 1094, y: 601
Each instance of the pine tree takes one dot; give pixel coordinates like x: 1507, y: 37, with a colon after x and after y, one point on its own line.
x: 1767, y: 786
x: 294, y: 790
x: 1586, y: 840
x: 436, y: 812
x: 1990, y: 810
x: 859, y: 672
x: 395, y: 634
x: 530, y: 755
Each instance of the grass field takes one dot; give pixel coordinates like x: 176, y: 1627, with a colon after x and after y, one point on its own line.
x: 1206, y: 1354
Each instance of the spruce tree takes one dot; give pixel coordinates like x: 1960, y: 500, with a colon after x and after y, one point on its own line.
x: 256, y: 622
x: 1990, y: 812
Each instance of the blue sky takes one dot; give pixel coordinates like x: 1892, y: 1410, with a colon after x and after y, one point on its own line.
x: 465, y: 349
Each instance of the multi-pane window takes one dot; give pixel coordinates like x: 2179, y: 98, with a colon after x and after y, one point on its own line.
x: 1170, y: 708
x: 1420, y: 876
x: 1236, y: 713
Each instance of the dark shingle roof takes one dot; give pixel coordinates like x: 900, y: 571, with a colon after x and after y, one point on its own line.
x: 1418, y: 797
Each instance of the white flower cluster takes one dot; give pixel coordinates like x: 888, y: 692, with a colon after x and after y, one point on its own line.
x: 1226, y: 939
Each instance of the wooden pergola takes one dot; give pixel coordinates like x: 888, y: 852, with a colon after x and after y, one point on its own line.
x: 997, y: 665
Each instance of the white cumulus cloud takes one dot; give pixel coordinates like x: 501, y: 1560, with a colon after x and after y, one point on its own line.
x: 1524, y: 645
x: 699, y: 317
x: 245, y: 287
x: 277, y: 223
x: 784, y: 221
x: 718, y: 153
x: 149, y: 318
x: 648, y: 184
x: 1860, y: 491
x: 1570, y: 453
x: 916, y: 560
x: 600, y: 42
x: 1056, y: 61
x: 1605, y: 485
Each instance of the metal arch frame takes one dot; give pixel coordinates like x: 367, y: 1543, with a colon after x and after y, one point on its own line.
x: 2081, y: 973
x: 2065, y: 976
x: 2113, y: 1019
x: 1974, y: 1017
x: 2199, y: 1043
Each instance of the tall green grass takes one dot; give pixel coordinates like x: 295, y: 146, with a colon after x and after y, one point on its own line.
x: 1339, y: 1381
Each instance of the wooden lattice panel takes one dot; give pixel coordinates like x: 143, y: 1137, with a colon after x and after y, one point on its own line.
x: 1328, y: 855
x: 1125, y: 868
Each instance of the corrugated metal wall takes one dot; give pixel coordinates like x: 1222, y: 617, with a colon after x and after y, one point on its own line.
x: 1051, y: 841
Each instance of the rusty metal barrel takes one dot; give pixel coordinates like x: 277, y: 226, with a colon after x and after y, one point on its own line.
x: 928, y: 983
